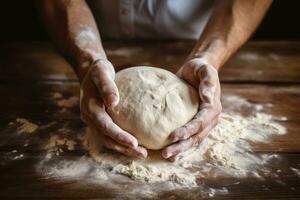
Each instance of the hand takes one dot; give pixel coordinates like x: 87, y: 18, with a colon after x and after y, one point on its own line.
x: 204, y: 77
x: 98, y: 90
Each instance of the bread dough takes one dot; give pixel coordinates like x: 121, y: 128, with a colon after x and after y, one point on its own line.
x: 153, y: 103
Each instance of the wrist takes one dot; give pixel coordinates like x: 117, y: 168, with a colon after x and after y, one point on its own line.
x: 207, y: 58
x: 213, y: 51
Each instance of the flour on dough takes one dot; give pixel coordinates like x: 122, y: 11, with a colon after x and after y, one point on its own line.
x: 153, y: 103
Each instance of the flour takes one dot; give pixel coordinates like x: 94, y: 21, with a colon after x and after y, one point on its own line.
x: 151, y: 174
x: 296, y: 171
x: 57, y: 145
x: 64, y: 103
x: 226, y: 152
x: 25, y: 126
x: 85, y: 37
x: 68, y: 103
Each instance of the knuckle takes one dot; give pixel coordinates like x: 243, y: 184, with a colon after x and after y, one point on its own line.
x: 177, y: 134
x: 201, y: 124
x: 106, y: 67
x: 181, y: 133
x: 94, y: 72
x: 194, y: 126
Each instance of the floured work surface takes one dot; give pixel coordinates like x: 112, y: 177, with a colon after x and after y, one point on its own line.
x: 244, y: 150
x: 41, y: 156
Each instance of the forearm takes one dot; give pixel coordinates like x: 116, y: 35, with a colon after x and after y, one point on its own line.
x: 231, y: 24
x: 73, y: 30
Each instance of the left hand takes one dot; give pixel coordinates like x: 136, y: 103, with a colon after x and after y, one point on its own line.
x: 204, y: 77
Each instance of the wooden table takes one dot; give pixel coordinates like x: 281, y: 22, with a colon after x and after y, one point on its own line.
x: 261, y: 72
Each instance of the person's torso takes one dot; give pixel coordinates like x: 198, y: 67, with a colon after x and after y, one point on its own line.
x: 184, y: 19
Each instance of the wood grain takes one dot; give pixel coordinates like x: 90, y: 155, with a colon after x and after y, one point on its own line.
x: 255, y: 62
x: 264, y: 73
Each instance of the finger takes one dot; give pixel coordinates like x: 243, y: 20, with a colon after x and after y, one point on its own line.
x: 187, y: 73
x: 202, y: 119
x: 138, y: 151
x: 110, y: 129
x: 176, y: 148
x: 172, y: 150
x: 210, y: 106
x: 102, y: 75
x: 104, y: 124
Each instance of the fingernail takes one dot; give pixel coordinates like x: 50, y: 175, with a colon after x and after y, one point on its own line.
x: 143, y: 153
x: 167, y: 155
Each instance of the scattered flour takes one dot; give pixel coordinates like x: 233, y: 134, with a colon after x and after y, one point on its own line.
x: 64, y: 102
x: 85, y: 37
x: 152, y: 173
x: 249, y: 56
x: 25, y: 126
x: 68, y: 103
x: 296, y: 171
x: 226, y: 152
x: 57, y: 144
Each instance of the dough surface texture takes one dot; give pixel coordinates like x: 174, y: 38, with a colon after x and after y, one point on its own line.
x: 153, y: 103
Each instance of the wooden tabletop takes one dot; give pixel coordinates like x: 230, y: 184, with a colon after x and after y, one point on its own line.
x: 261, y: 72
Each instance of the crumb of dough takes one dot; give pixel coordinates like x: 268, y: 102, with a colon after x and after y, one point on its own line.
x: 57, y: 144
x: 26, y: 126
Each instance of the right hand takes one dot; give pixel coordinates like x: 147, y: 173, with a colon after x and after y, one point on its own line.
x: 98, y: 91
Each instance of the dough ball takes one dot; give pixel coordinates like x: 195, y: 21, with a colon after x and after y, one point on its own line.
x: 153, y: 103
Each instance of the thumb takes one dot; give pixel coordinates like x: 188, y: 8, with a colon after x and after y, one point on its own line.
x: 102, y: 75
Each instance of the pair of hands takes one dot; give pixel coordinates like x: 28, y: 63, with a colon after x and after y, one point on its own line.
x: 98, y: 91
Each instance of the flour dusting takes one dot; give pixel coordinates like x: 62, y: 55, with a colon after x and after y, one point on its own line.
x: 26, y: 126
x: 68, y: 103
x: 85, y: 37
x: 226, y: 152
x: 296, y: 171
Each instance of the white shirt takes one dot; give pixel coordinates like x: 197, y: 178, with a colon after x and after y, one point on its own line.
x: 175, y: 19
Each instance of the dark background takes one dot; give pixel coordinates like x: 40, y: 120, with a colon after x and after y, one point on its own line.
x: 19, y: 21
